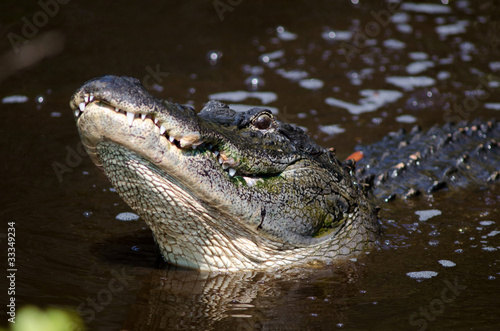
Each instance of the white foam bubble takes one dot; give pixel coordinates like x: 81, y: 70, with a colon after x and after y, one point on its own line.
x: 419, y: 67
x: 331, y: 129
x: 394, y: 44
x: 400, y: 18
x: 425, y: 8
x: 408, y: 83
x: 492, y: 105
x: 293, y: 75
x: 418, y: 56
x: 406, y: 119
x: 452, y: 29
x: 311, y: 83
x: 442, y: 75
x: 267, y: 57
x: 495, y: 66
x: 337, y: 35
x: 286, y: 35
x: 424, y: 215
x: 373, y: 100
x: 127, y: 216
x: 404, y: 28
x: 447, y: 263
x: 236, y: 96
x: 15, y: 99
x: 422, y: 274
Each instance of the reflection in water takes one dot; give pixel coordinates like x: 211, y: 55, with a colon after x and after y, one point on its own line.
x: 182, y: 299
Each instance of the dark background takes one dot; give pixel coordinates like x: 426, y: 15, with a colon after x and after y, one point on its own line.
x: 69, y: 244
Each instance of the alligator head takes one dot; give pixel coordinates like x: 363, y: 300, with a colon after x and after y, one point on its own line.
x: 222, y: 190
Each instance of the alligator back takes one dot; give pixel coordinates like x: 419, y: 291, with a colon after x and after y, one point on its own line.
x: 455, y: 155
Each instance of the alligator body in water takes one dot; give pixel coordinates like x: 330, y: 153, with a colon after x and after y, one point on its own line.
x: 226, y: 190
x: 408, y: 164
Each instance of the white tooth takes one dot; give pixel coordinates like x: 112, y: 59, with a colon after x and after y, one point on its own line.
x: 232, y: 172
x: 216, y: 153
x: 162, y: 129
x: 156, y: 121
x: 77, y: 112
x: 143, y: 117
x: 86, y: 98
x: 82, y: 106
x: 250, y: 181
x: 91, y: 98
x: 171, y: 138
x: 130, y: 118
x: 220, y: 160
x: 116, y: 109
x: 225, y: 166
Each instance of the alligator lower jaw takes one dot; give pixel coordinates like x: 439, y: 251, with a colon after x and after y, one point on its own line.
x: 182, y: 224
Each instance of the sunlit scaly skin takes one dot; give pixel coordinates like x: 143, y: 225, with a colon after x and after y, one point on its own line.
x: 222, y: 190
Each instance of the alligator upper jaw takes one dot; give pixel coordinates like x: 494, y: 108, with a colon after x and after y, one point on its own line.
x: 143, y: 134
x: 149, y: 128
x: 125, y: 95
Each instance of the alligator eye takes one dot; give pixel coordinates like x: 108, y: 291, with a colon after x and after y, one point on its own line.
x: 263, y: 122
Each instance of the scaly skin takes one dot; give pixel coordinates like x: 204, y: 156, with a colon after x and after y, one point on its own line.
x: 223, y: 190
x: 451, y: 156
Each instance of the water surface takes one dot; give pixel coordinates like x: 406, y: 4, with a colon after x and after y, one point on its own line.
x: 347, y: 72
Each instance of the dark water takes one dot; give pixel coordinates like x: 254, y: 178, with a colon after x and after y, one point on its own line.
x: 349, y: 73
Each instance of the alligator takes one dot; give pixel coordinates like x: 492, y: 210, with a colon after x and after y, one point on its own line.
x: 223, y: 190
